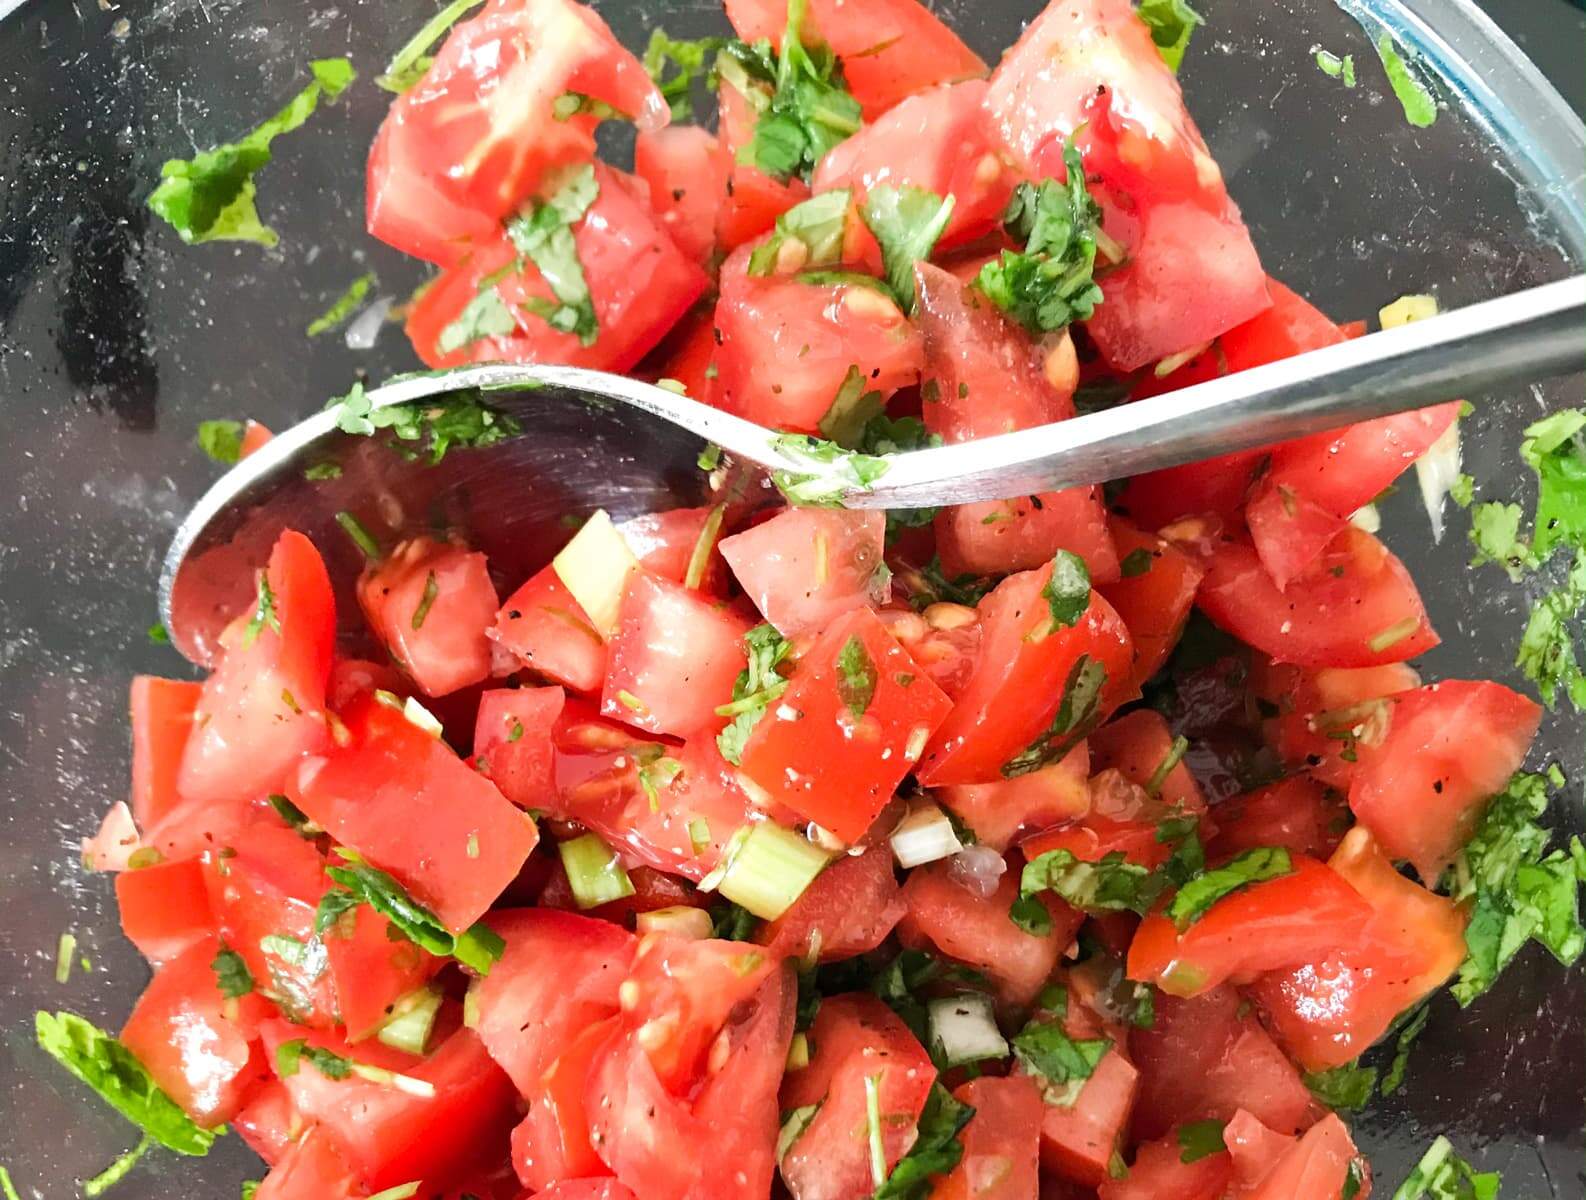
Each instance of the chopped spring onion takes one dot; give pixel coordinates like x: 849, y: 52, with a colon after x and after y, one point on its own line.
x: 683, y: 920
x: 878, y: 1153
x: 1173, y: 362
x: 359, y: 533
x: 798, y: 1052
x: 766, y: 868
x: 924, y: 836
x: 793, y: 1125
x: 594, y: 871
x: 421, y: 1088
x: 1436, y: 471
x: 1393, y: 634
x: 401, y: 1192
x: 412, y: 1019
x: 699, y: 560
x: 471, y: 1005
x: 595, y: 566
x: 422, y: 717
x: 1366, y: 517
x: 964, y: 1029
x: 64, y: 950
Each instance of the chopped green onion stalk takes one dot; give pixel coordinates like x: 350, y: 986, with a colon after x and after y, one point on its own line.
x: 964, y: 1029
x: 769, y: 869
x: 64, y: 950
x: 924, y: 836
x: 878, y: 1153
x: 412, y: 1019
x: 594, y: 871
x: 682, y: 920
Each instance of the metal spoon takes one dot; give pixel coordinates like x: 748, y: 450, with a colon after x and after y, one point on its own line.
x: 592, y: 440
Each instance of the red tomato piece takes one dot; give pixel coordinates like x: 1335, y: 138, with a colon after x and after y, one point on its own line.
x: 267, y: 1122
x: 311, y: 1168
x: 1356, y: 607
x: 431, y: 604
x: 1137, y: 745
x: 1159, y: 1172
x: 937, y: 140
x: 1294, y: 689
x: 854, y: 1037
x: 944, y: 640
x: 1191, y: 271
x: 754, y: 200
x: 673, y: 658
x: 1449, y: 747
x: 478, y: 129
x: 1315, y: 1167
x: 1001, y: 1142
x: 162, y: 719
x: 262, y: 708
x: 1153, y: 594
x: 550, y: 633
x: 1080, y: 1142
x: 1000, y: 812
x: 947, y: 912
x: 586, y: 1189
x: 1297, y: 813
x: 1253, y: 1149
x: 513, y: 743
x: 786, y: 346
x: 1012, y: 711
x: 889, y: 48
x: 683, y: 169
x: 849, y: 909
x: 1288, y: 530
x: 664, y: 542
x: 1327, y: 1012
x: 401, y: 798
x: 552, y: 1142
x: 806, y: 567
x: 1122, y: 818
x: 181, y: 1033
x: 1295, y: 918
x: 688, y: 355
x: 850, y: 726
x: 164, y: 909
x: 372, y: 966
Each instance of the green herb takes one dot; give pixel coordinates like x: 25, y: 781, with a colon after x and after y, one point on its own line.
x: 936, y: 1148
x: 904, y: 984
x: 1049, y: 283
x: 543, y: 234
x: 1555, y: 448
x: 1338, y: 68
x: 159, y: 635
x: 7, y: 1188
x: 1067, y: 592
x: 576, y: 104
x: 929, y: 585
x: 335, y: 904
x: 1170, y: 760
x: 221, y: 440
x: 264, y: 614
x: 408, y: 65
x: 1547, y: 651
x: 321, y: 471
x: 836, y: 470
x: 710, y: 457
x: 477, y: 947
x: 856, y: 677
x: 1136, y: 562
x: 1060, y: 1063
x: 1462, y: 490
x: 1420, y: 107
x: 1443, y: 1175
x: 108, y: 1067
x: 1409, y: 1028
x: 1076, y: 716
x: 1240, y: 872
x: 1171, y: 22
x: 1349, y: 1086
x: 731, y: 922
x: 232, y: 976
x: 343, y: 306
x: 1200, y: 1139
x: 907, y: 221
x: 210, y: 197
x: 811, y: 234
x: 676, y: 65
x: 118, y: 1170
x: 361, y: 537
x: 486, y: 315
x: 292, y: 815
x: 459, y: 421
x: 432, y: 589
x: 852, y: 410
x: 65, y: 947
x: 290, y: 1056
x: 1112, y: 884
x: 1354, y: 1178
x: 1495, y: 532
x: 757, y: 685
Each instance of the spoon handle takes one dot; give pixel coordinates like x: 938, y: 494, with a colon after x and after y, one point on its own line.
x: 1530, y: 335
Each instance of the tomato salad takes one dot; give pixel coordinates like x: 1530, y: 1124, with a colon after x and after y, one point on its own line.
x: 1070, y: 846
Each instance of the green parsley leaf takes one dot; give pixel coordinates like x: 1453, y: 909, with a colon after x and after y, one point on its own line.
x: 907, y: 221
x: 485, y: 315
x: 1136, y: 562
x: 936, y: 1148
x: 756, y: 687
x: 1061, y: 1064
x: 1420, y: 106
x: 210, y: 197
x: 1337, y: 68
x: 1349, y: 1086
x: 1495, y: 531
x: 343, y: 306
x: 477, y: 947
x: 1243, y: 870
x: 1443, y: 1175
x: 1076, y: 716
x: 407, y: 65
x: 460, y: 421
x: 1410, y: 1026
x: 232, y: 976
x: 810, y: 234
x: 333, y: 906
x: 1112, y: 884
x: 856, y: 677
x: 675, y: 65
x: 1555, y: 448
x: 293, y: 815
x: 112, y: 1070
x: 1067, y: 592
x: 836, y: 470
x: 1171, y: 22
x: 904, y: 984
x: 1200, y: 1139
x: 221, y: 440
x: 1354, y: 1178
x: 543, y: 234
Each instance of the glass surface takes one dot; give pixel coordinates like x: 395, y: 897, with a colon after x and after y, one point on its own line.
x: 115, y: 339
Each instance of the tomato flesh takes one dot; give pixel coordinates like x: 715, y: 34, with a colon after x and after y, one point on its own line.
x: 164, y: 909
x: 514, y: 745
x: 550, y: 633
x: 682, y: 167
x: 849, y: 909
x: 806, y: 567
x: 431, y: 604
x: 1153, y: 594
x: 162, y: 720
x: 1001, y: 1143
x: 999, y: 812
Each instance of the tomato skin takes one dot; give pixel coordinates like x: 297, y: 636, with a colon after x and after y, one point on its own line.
x: 1297, y: 813
x: 805, y: 567
x: 417, y: 217
x: 162, y: 720
x: 683, y: 168
x: 1000, y: 812
x: 855, y: 1036
x: 550, y: 633
x: 673, y: 658
x: 1325, y: 714
x: 1357, y: 591
x: 786, y: 346
x: 164, y: 909
x: 430, y: 603
x: 1315, y: 1167
x: 1001, y: 1142
x: 310, y: 1168
x: 411, y: 807
x: 947, y: 913
x: 1018, y: 682
x: 1327, y: 1012
x: 1295, y: 918
x: 848, y: 910
x: 1154, y: 603
x: 754, y: 200
x: 814, y: 754
x: 1449, y: 747
x: 513, y: 741
x: 178, y: 1030
x: 262, y: 708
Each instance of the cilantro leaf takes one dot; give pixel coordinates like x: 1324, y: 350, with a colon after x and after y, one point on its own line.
x: 210, y: 197
x: 543, y: 234
x: 1443, y: 1175
x: 1240, y: 872
x: 485, y: 315
x: 732, y: 923
x: 1171, y: 22
x: 1349, y: 1086
x: 808, y: 235
x: 1337, y: 68
x: 343, y: 306
x: 757, y: 685
x: 936, y: 1149
x: 1410, y: 1026
x: 1067, y: 592
x: 906, y: 222
x: 460, y: 420
x: 1200, y: 1139
x: 112, y: 1070
x: 1111, y: 884
x: 221, y: 440
x: 1495, y: 532
x: 856, y: 677
x: 1420, y: 106
x: 408, y: 65
x: 852, y: 411
x: 1555, y: 448
x: 1059, y: 1063
x: 837, y: 470
x: 1076, y: 716
x: 289, y: 1057
x: 675, y: 65
x: 477, y: 947
x: 929, y: 584
x: 232, y: 976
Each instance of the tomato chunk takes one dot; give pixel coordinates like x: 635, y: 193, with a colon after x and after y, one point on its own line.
x: 550, y: 633
x: 513, y: 742
x: 311, y: 1168
x: 1080, y: 1141
x: 1153, y: 594
x: 806, y: 567
x: 162, y: 720
x: 849, y: 909
x: 1297, y: 813
x: 267, y: 1122
x: 754, y: 200
x: 999, y: 812
x: 850, y: 726
x: 1159, y: 1172
x: 372, y: 966
x: 164, y: 909
x: 1001, y: 1142
x: 664, y: 543
x: 683, y: 169
x: 552, y: 1142
x: 1138, y: 745
x: 431, y: 603
x: 1315, y: 1167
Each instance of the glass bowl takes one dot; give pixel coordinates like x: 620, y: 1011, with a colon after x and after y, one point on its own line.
x: 116, y: 339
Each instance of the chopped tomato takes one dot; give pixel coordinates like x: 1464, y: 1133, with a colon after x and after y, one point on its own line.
x: 688, y: 355
x: 849, y: 909
x: 673, y: 658
x: 1328, y: 1011
x: 1356, y: 607
x: 1122, y: 818
x: 402, y: 798
x: 944, y: 640
x: 311, y: 1168
x: 181, y: 1032
x: 431, y: 603
x: 1153, y: 594
x: 1037, y: 687
x: 683, y: 169
x: 889, y: 48
x: 1297, y: 813
x: 262, y: 708
x: 267, y: 1122
x: 550, y: 633
x: 1294, y: 689
x: 552, y: 1142
x: 999, y: 812
x: 786, y: 346
x: 1266, y: 926
x: 513, y: 744
x: 1159, y: 1172
x: 805, y: 567
x: 1081, y: 1141
x: 162, y: 720
x: 754, y: 200
x: 950, y: 913
x: 1317, y: 1166
x: 1138, y: 745
x: 586, y: 1189
x: 1327, y: 716
x: 1421, y: 786
x: 652, y: 889
x: 1001, y: 1142
x: 850, y: 726
x: 373, y: 966
x: 664, y: 543
x: 164, y: 909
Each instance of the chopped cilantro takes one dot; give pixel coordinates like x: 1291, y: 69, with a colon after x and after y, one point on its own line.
x: 159, y: 635
x: 731, y: 922
x: 290, y: 1056
x: 232, y: 976
x: 1171, y: 22
x: 929, y: 585
x: 210, y: 197
x: 343, y: 306
x: 1495, y: 531
x: 837, y: 470
x: 458, y: 421
x: 264, y: 613
x: 407, y: 65
x: 432, y: 591
x: 675, y: 66
x: 1242, y: 871
x: 118, y: 1170
x: 757, y: 685
x: 936, y: 1148
x: 1076, y: 716
x: 1410, y: 1026
x: 1111, y: 884
x: 1462, y: 490
x: 808, y: 235
x: 1136, y: 562
x: 1349, y: 1086
x: 1067, y: 592
x: 1548, y: 653
x: 906, y: 222
x: 485, y: 315
x: 1059, y: 1063
x: 1555, y: 448
x: 1443, y: 1175
x: 7, y: 1188
x: 1420, y: 106
x: 477, y: 947
x: 1200, y: 1139
x: 856, y: 677
x: 221, y: 440
x: 543, y: 233
x: 852, y: 411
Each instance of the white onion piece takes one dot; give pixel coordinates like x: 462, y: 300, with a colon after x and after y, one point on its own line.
x: 978, y: 868
x: 366, y: 326
x: 1436, y: 471
x: 1366, y: 517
